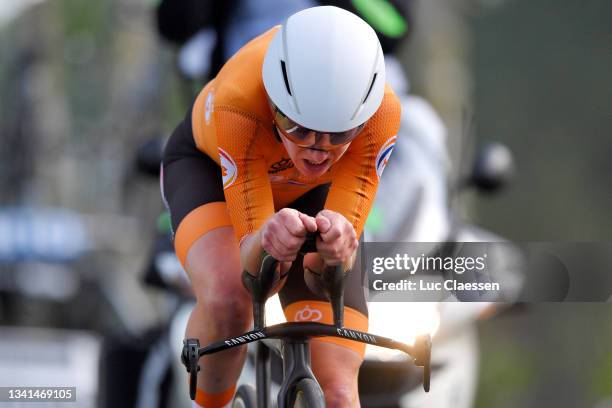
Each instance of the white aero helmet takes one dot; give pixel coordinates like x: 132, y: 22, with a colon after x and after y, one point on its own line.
x: 324, y: 69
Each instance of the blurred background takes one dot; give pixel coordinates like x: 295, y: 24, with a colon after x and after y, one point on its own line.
x: 84, y: 84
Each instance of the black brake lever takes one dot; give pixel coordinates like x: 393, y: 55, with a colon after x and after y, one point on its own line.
x: 189, y: 358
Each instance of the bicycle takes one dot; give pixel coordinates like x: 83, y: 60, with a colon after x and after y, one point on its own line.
x: 299, y: 388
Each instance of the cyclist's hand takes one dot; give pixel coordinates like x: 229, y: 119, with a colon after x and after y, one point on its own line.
x: 284, y: 233
x: 338, y: 240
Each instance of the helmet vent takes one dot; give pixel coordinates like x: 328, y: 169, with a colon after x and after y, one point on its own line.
x: 285, y: 77
x: 370, y: 89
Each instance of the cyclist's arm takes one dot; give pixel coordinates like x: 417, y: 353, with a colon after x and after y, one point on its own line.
x: 250, y: 252
x: 246, y: 186
x: 354, y: 188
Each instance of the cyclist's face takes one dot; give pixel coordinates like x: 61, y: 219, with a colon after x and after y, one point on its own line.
x: 313, y: 161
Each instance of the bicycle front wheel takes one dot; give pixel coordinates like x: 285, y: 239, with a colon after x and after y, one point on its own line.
x: 307, y: 394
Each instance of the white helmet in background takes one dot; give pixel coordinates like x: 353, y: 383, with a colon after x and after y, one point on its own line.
x: 325, y: 70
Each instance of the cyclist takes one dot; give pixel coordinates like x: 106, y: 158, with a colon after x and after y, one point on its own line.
x: 290, y: 137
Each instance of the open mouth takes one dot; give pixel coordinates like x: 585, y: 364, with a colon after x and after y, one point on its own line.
x: 315, y: 166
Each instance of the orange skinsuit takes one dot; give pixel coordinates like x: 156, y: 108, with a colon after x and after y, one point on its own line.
x: 232, y: 123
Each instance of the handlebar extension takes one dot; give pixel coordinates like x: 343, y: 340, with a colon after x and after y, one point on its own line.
x: 331, y: 283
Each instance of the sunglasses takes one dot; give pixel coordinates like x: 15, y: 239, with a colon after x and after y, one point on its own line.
x: 304, y: 137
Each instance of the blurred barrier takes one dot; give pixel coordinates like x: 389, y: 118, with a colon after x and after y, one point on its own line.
x: 41, y: 234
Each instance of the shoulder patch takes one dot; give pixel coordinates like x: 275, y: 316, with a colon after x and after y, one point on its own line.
x: 229, y: 171
x: 383, y: 155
